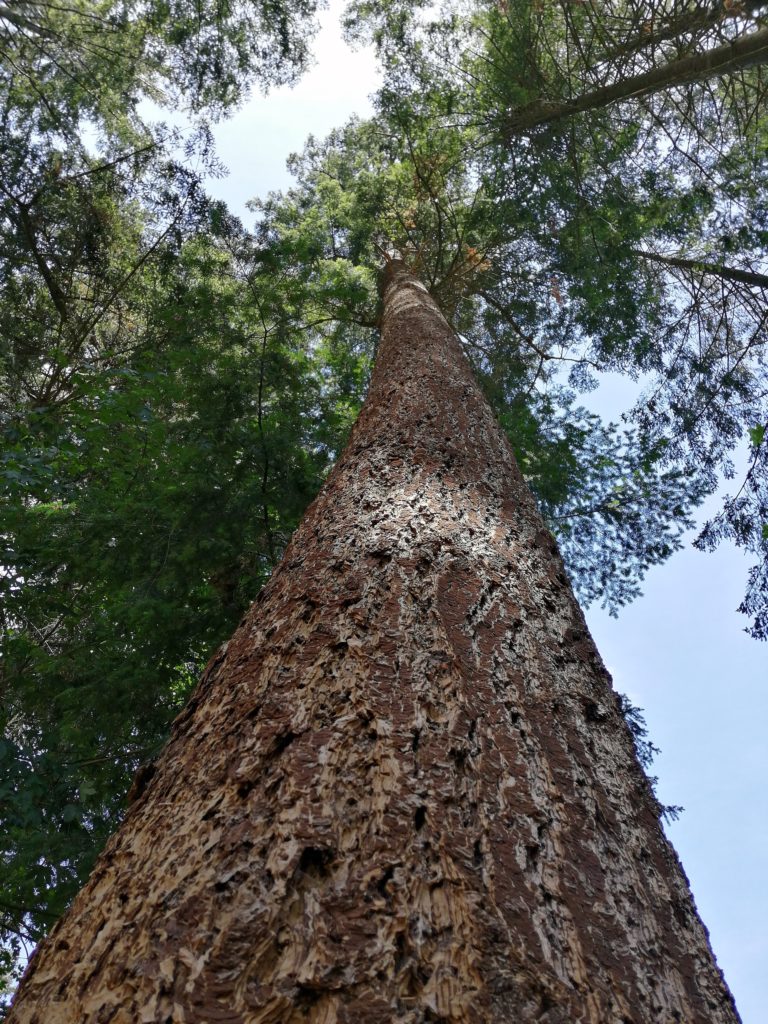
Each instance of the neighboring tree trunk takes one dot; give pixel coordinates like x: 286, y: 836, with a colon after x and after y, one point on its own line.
x: 687, y: 22
x: 404, y: 791
x: 746, y: 51
x: 749, y: 277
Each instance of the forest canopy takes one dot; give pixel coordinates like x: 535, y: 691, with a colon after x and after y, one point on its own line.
x: 580, y: 185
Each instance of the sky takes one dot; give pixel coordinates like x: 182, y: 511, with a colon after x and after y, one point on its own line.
x: 680, y: 651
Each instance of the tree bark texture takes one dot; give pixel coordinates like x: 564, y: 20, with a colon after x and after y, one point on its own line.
x: 747, y: 51
x: 404, y: 791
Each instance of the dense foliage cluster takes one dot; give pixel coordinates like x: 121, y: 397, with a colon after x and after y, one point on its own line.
x: 582, y: 187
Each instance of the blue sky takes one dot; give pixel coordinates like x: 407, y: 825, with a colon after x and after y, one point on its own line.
x: 679, y: 651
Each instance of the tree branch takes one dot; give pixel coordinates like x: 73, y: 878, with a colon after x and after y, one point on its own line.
x: 746, y: 52
x: 714, y: 269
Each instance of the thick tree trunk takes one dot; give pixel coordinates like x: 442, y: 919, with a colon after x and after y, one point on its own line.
x: 404, y: 791
x: 747, y: 51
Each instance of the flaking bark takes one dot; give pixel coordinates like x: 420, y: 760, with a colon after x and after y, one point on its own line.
x: 404, y: 791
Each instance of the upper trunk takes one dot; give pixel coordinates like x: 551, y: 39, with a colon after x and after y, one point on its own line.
x: 404, y: 791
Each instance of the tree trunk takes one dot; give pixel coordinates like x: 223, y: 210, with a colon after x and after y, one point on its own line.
x: 745, y: 52
x: 697, y: 19
x: 404, y: 791
x: 750, y: 277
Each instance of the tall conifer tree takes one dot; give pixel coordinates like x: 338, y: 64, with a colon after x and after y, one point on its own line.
x: 404, y: 790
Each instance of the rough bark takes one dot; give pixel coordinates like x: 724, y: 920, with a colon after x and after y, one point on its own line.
x: 745, y: 52
x: 404, y: 791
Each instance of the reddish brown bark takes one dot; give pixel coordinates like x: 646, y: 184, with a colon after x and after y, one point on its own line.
x: 404, y: 791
